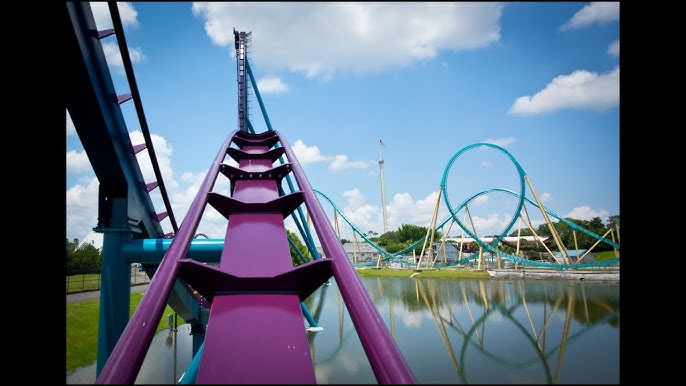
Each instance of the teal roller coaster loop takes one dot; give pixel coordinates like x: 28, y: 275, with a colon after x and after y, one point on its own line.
x: 492, y: 246
x: 398, y: 255
x: 572, y: 225
x: 444, y: 185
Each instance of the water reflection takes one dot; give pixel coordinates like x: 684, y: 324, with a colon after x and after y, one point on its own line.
x: 450, y: 331
x: 482, y: 331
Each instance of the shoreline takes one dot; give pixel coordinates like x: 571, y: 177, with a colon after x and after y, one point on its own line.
x: 547, y: 274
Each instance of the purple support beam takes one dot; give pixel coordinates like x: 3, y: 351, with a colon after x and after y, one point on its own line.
x: 138, y: 148
x: 126, y: 359
x: 386, y: 360
x: 105, y: 33
x: 123, y: 98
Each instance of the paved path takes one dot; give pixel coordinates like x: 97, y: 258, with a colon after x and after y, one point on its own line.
x: 95, y: 295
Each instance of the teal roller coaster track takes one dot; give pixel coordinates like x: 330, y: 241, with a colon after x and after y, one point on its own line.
x: 493, y: 245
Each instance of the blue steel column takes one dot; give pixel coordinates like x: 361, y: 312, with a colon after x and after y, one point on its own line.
x: 115, y: 291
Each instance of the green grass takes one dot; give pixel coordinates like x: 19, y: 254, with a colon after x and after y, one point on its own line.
x: 82, y: 330
x: 605, y: 255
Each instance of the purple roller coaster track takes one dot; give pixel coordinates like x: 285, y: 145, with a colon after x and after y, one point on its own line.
x: 246, y: 310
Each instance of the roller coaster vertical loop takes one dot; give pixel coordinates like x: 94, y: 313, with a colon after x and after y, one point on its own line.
x: 444, y: 185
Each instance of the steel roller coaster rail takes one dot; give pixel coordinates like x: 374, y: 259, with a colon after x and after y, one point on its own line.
x: 566, y: 263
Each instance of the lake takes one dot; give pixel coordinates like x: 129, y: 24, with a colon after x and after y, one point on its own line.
x: 450, y: 331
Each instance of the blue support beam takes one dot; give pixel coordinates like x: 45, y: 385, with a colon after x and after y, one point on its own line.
x: 91, y: 100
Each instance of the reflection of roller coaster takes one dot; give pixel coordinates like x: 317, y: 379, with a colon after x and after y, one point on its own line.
x: 490, y: 330
x: 492, y: 246
x: 513, y: 303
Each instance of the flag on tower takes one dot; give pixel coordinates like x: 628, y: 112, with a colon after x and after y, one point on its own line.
x: 381, y: 143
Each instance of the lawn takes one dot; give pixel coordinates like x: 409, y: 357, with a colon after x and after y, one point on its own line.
x: 82, y: 330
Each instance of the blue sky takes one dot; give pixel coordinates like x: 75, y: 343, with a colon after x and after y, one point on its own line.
x: 539, y: 79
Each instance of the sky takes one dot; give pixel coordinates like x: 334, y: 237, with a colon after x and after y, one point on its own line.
x: 451, y: 95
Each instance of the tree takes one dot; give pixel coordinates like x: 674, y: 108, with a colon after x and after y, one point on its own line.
x: 89, y: 257
x: 301, y: 248
x: 521, y: 232
x: 404, y: 237
x: 84, y: 257
x: 71, y: 254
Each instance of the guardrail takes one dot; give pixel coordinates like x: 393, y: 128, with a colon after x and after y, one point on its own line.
x: 91, y: 281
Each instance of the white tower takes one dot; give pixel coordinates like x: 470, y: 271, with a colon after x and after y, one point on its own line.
x: 383, y: 190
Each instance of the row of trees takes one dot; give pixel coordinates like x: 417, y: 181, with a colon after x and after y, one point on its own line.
x: 406, y: 235
x: 82, y: 258
x: 572, y: 238
x: 86, y: 257
x: 400, y: 239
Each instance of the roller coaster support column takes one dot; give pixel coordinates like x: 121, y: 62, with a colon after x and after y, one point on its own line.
x: 551, y: 227
x: 115, y: 292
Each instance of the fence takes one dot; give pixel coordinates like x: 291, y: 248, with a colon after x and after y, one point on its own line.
x: 90, y: 281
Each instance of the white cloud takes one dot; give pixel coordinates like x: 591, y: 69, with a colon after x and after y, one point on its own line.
x: 613, y: 49
x: 320, y: 38
x: 357, y: 211
x: 580, y: 89
x: 78, y: 162
x: 103, y: 20
x: 271, y: 85
x: 311, y: 154
x: 114, y: 59
x: 355, y: 199
x: 480, y: 200
x: 94, y: 238
x: 596, y: 12
x: 81, y: 218
x: 491, y: 224
x: 502, y: 141
x: 404, y: 210
x: 585, y: 212
x: 307, y: 154
x: 340, y: 162
x: 410, y: 319
x: 163, y: 153
x: 71, y: 129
